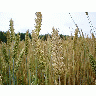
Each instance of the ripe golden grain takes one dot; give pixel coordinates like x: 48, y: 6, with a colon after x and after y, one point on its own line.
x: 55, y: 61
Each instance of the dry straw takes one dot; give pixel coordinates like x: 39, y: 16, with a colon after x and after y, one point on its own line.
x: 57, y: 56
x: 19, y: 60
x: 53, y: 61
x: 36, y: 43
x: 26, y: 42
x: 5, y: 53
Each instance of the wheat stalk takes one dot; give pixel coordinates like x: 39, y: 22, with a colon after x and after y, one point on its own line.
x: 0, y: 81
x: 12, y: 30
x: 26, y: 50
x: 53, y: 61
x: 36, y: 42
x: 5, y: 58
x: 8, y: 45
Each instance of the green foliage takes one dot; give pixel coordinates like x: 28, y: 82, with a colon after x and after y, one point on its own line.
x: 3, y: 37
x: 93, y: 64
x: 22, y: 36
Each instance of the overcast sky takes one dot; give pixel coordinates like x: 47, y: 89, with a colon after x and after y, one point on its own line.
x: 24, y: 18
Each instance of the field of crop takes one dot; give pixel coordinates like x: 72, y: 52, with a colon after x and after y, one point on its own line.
x: 54, y: 61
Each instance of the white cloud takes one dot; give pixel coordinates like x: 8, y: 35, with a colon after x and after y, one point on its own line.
x: 23, y: 14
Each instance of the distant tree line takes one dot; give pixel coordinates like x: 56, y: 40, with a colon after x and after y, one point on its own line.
x: 22, y: 36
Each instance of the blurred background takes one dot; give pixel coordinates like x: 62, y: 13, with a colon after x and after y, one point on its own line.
x: 60, y: 20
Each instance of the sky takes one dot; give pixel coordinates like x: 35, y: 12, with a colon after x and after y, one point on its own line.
x: 24, y: 18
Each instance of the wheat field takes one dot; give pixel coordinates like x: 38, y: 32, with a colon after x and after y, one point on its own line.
x: 54, y: 61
